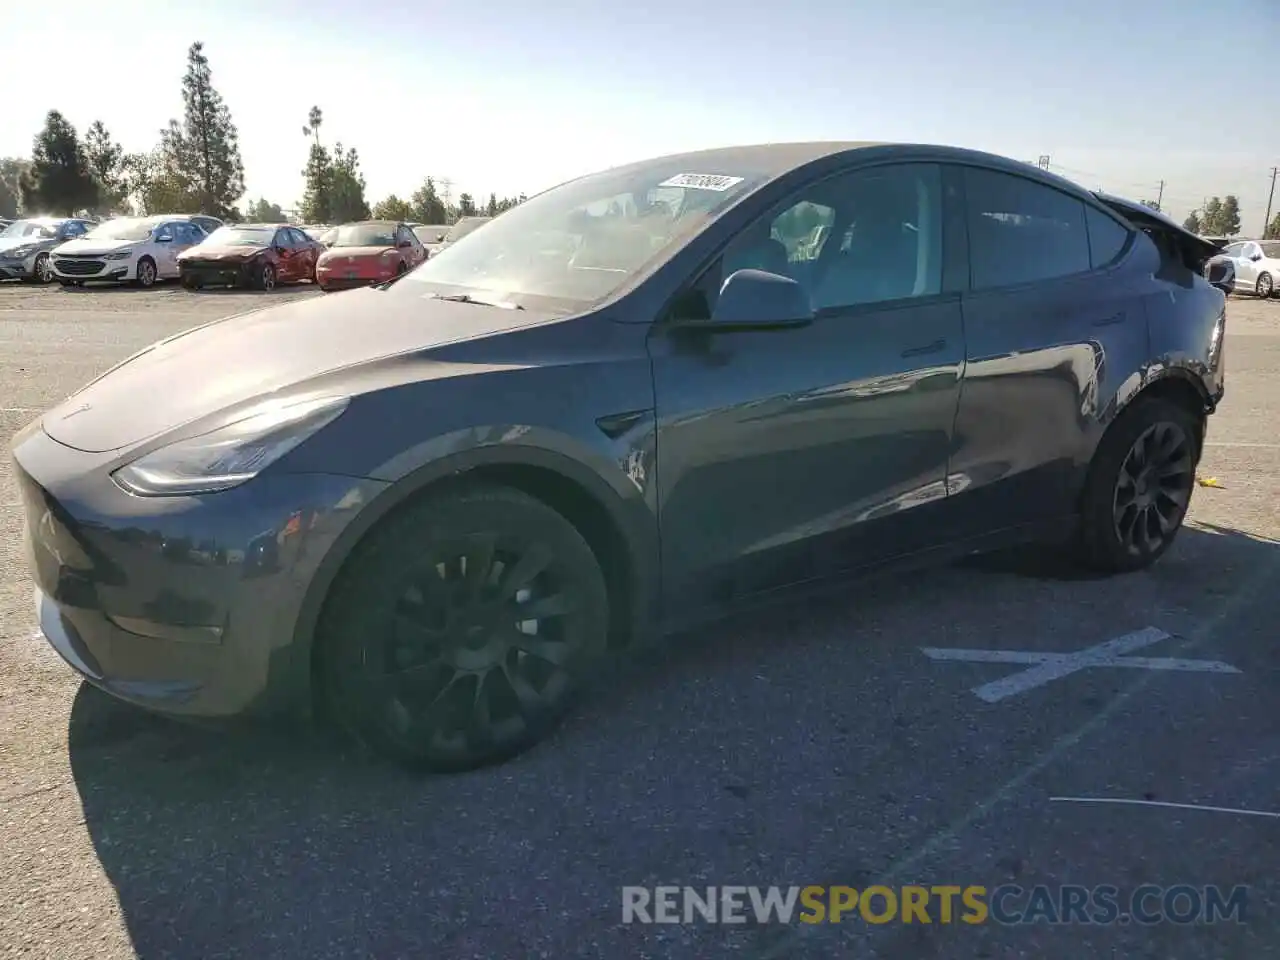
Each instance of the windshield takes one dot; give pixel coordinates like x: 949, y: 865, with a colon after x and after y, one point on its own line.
x: 1271, y: 250
x: 430, y: 233
x: 364, y: 235
x: 583, y: 240
x: 463, y: 227
x: 125, y: 229
x: 241, y: 236
x: 29, y: 228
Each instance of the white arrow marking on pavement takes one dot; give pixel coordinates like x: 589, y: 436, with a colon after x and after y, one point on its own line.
x: 1044, y: 667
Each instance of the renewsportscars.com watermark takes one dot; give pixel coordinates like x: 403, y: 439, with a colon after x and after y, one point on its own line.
x: 1008, y: 904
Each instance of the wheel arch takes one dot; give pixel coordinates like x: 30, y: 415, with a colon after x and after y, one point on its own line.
x: 1182, y: 387
x: 624, y: 543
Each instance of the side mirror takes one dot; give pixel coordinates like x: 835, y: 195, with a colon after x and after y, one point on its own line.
x: 164, y: 238
x: 439, y: 238
x: 758, y: 300
x: 1256, y: 256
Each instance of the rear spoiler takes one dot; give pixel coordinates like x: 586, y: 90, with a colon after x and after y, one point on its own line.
x: 1196, y: 250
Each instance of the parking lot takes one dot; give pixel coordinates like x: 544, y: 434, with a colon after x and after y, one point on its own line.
x: 834, y: 744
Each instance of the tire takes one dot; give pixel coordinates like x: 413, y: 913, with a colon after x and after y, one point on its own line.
x: 1128, y: 518
x: 425, y: 674
x: 401, y: 269
x: 43, y: 272
x: 266, y: 279
x: 146, y: 272
x: 190, y: 283
x: 1265, y: 287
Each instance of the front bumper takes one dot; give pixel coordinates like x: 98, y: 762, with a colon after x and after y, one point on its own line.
x: 15, y: 269
x: 344, y: 276
x: 215, y: 274
x: 185, y: 605
x: 80, y: 268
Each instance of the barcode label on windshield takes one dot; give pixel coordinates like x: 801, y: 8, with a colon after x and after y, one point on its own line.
x: 702, y: 181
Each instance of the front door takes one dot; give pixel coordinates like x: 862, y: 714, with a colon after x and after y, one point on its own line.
x: 786, y: 454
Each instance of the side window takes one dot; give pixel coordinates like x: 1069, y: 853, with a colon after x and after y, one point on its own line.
x: 298, y: 238
x: 282, y: 239
x: 166, y: 231
x: 1107, y: 238
x: 868, y: 236
x: 1232, y: 249
x: 1021, y: 231
x: 72, y: 229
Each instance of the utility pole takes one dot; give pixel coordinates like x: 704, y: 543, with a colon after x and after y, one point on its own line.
x: 1160, y: 196
x: 446, y: 187
x: 1266, y: 221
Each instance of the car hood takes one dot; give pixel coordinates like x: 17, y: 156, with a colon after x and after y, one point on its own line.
x: 258, y: 353
x: 12, y: 243
x: 335, y: 253
x: 205, y: 252
x: 83, y: 247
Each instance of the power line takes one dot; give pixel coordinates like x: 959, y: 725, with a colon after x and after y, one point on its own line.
x: 1266, y: 221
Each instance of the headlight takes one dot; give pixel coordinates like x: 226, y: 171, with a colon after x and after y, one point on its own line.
x: 119, y: 255
x: 230, y: 455
x: 19, y: 253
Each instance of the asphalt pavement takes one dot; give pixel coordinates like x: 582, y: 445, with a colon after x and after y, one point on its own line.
x: 835, y: 744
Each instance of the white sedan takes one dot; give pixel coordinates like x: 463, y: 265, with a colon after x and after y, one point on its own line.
x: 129, y: 249
x: 1257, y: 266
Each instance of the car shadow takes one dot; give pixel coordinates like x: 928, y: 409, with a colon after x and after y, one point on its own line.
x: 283, y: 843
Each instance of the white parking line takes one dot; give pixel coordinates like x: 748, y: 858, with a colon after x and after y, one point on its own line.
x: 1053, y: 666
x: 1228, y: 443
x: 1165, y: 803
x: 19, y: 409
x: 787, y: 939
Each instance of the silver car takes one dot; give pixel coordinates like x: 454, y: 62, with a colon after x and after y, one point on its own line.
x: 25, y: 245
x: 1257, y: 266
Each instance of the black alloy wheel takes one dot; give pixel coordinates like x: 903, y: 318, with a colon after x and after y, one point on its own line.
x: 1139, y: 486
x: 461, y: 631
x: 1153, y: 489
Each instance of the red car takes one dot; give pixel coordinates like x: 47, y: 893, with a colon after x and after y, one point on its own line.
x: 368, y: 252
x: 257, y: 255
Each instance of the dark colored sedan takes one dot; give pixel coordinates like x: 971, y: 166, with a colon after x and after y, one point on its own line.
x: 257, y: 255
x: 647, y: 395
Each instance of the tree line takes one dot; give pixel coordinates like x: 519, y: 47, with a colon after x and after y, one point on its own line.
x: 196, y: 168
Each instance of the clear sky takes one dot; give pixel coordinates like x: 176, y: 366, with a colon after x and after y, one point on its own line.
x: 510, y: 96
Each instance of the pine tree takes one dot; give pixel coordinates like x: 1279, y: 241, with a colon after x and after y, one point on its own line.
x: 106, y: 164
x: 206, y: 146
x: 1193, y: 223
x: 316, y: 203
x: 347, y: 185
x: 58, y: 180
x: 1229, y: 221
x: 1272, y: 232
x: 392, y: 208
x: 427, y: 205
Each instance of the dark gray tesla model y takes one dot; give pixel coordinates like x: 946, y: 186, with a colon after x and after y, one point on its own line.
x: 635, y: 399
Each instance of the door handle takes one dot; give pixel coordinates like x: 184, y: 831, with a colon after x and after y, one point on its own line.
x: 1108, y: 321
x: 928, y: 348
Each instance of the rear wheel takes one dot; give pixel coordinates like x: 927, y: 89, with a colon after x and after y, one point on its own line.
x: 1265, y: 287
x: 190, y: 283
x: 1139, y: 487
x: 458, y: 634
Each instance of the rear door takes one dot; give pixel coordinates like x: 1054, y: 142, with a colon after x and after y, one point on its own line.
x: 306, y: 253
x: 414, y: 253
x: 1053, y: 323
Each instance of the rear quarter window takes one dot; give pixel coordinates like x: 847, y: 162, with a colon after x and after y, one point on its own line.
x: 1107, y: 237
x: 1021, y: 231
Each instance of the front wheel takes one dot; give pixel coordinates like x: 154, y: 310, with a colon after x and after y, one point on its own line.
x: 458, y: 634
x: 146, y: 272
x: 266, y: 277
x: 1265, y: 286
x: 1139, y: 486
x: 43, y: 272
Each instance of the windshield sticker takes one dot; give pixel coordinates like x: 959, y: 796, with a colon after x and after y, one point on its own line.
x: 702, y: 181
